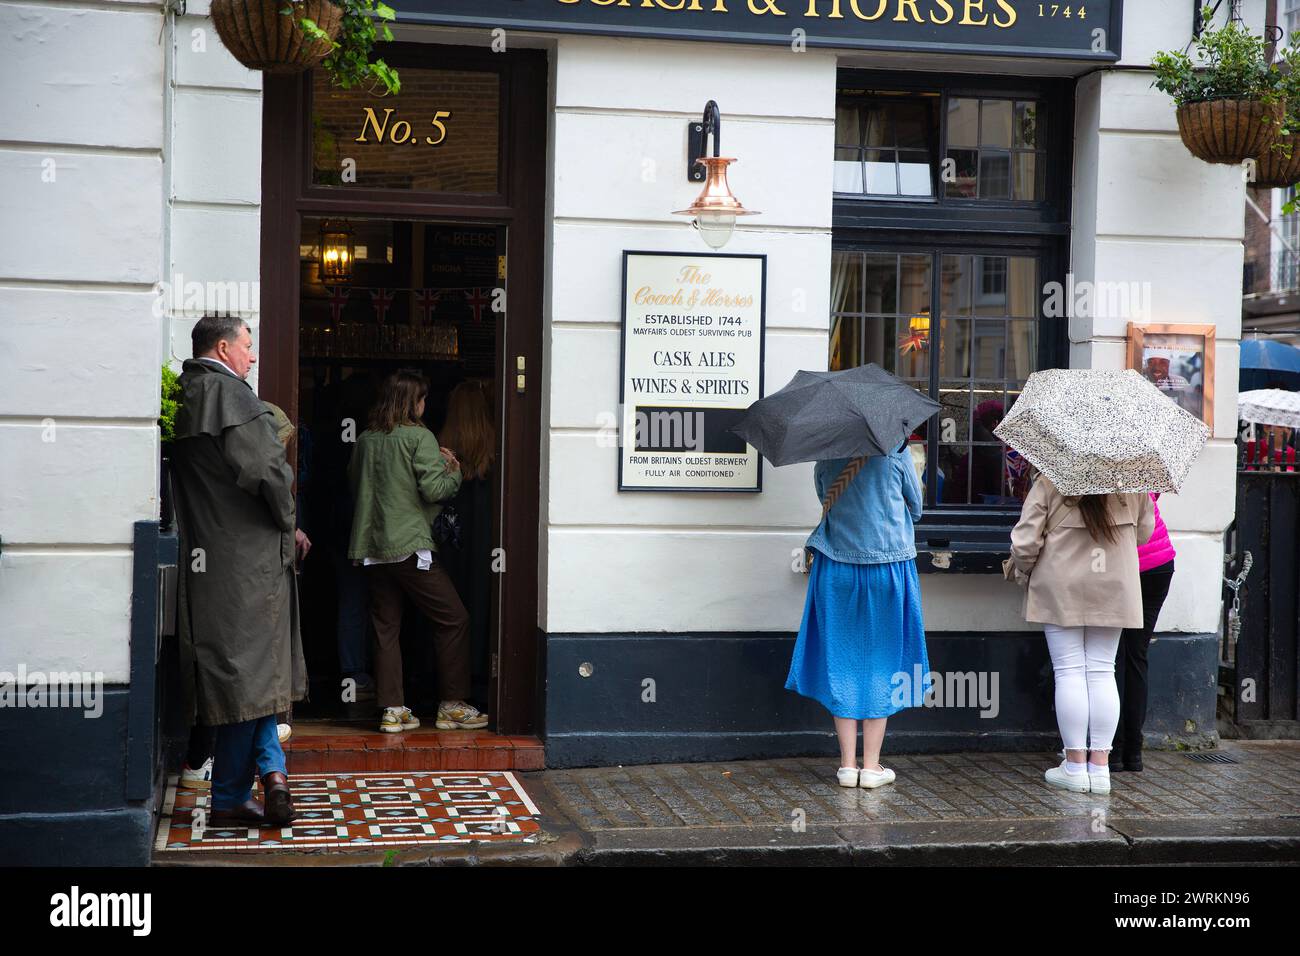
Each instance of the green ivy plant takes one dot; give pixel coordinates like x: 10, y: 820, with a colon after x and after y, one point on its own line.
x: 348, y: 64
x: 171, y: 403
x: 1230, y: 63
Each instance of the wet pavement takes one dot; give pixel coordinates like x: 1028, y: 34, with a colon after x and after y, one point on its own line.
x: 944, y: 809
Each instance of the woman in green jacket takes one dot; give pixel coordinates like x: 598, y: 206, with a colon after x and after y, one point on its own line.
x: 399, y: 476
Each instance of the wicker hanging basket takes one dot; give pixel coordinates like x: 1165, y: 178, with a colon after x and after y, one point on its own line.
x: 1228, y: 131
x: 1273, y: 170
x: 259, y: 36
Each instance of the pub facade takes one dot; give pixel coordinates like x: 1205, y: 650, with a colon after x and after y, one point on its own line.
x: 962, y: 192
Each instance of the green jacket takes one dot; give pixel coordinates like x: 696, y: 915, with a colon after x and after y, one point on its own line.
x: 397, y: 479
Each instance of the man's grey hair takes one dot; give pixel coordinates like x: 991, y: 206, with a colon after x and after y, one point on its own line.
x: 211, y: 329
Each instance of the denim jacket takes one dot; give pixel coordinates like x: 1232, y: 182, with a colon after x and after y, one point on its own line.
x: 872, y: 522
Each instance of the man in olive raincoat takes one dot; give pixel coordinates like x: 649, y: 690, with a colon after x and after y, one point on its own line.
x: 241, y: 652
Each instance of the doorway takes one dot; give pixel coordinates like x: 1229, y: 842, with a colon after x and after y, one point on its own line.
x: 446, y: 279
x: 420, y: 296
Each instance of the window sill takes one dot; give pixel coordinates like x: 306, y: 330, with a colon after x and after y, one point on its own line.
x: 962, y: 548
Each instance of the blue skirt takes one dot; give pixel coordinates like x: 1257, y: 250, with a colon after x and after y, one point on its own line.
x: 861, y: 647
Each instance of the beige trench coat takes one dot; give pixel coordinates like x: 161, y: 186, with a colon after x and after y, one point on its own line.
x: 1074, y: 580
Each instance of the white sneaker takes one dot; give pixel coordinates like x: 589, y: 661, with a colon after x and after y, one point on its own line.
x: 197, y: 778
x: 871, y: 779
x: 458, y: 715
x: 285, y: 731
x: 847, y: 776
x: 1062, y: 779
x: 1099, y: 782
x: 397, y: 719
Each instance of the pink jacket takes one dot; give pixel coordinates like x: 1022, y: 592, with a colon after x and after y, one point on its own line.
x: 1158, y: 550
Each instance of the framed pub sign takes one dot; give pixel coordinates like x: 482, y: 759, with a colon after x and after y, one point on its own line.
x: 691, y: 364
x: 1178, y: 359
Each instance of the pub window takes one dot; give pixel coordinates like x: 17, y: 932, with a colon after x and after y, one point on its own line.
x: 937, y: 268
x: 993, y: 149
x: 886, y: 144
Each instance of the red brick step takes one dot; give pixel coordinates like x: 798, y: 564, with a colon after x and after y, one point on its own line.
x: 342, y: 747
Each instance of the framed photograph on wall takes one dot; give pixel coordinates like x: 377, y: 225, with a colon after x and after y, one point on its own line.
x: 1179, y: 360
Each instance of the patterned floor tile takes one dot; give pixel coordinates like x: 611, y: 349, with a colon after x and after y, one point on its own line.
x: 352, y: 810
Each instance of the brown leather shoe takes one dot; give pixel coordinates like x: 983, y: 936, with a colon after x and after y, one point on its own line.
x: 279, y: 801
x: 247, y: 814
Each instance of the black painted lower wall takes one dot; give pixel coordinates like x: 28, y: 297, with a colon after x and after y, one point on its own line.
x: 656, y: 697
x: 78, y: 790
x: 64, y: 800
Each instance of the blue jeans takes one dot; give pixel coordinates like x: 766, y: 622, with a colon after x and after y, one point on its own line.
x: 241, y: 749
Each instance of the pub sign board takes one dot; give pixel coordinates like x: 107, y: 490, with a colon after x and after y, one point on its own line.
x: 1029, y: 28
x: 692, y: 363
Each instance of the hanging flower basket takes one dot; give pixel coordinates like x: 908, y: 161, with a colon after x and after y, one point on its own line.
x: 1278, y: 166
x: 1229, y: 130
x: 261, y: 37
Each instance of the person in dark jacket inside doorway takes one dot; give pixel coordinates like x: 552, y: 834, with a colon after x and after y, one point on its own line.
x: 241, y: 652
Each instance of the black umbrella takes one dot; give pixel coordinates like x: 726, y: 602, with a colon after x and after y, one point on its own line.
x: 822, y: 415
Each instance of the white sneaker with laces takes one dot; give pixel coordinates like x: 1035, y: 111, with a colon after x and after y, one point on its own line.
x: 397, y: 719
x: 458, y: 715
x: 197, y: 777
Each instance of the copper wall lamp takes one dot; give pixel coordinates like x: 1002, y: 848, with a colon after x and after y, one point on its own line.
x: 715, y: 209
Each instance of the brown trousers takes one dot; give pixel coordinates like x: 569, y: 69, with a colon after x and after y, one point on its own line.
x: 434, y: 594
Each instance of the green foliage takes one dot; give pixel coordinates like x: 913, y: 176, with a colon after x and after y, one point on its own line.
x: 171, y: 403
x: 1230, y: 63
x: 348, y: 65
x: 1287, y: 68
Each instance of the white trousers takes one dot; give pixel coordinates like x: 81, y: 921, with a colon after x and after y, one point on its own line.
x: 1087, y: 700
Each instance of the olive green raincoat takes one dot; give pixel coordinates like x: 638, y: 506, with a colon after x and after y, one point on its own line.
x: 241, y: 651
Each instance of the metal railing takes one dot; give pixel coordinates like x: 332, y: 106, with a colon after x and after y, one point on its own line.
x: 1278, y: 272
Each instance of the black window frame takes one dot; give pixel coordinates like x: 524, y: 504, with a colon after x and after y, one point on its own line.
x: 941, y: 225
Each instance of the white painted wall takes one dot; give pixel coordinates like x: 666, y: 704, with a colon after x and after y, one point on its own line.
x: 214, y: 190
x: 81, y: 171
x: 1146, y: 210
x: 676, y: 561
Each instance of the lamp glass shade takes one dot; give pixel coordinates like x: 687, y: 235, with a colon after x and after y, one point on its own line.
x: 336, y: 253
x: 715, y: 209
x: 715, y: 227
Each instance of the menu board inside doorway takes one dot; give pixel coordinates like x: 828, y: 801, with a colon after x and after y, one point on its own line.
x: 692, y: 363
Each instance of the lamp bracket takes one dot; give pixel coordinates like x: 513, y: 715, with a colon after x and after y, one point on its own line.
x: 697, y: 141
x: 694, y: 150
x: 1198, y: 25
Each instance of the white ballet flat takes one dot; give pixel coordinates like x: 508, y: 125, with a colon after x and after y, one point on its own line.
x: 870, y: 779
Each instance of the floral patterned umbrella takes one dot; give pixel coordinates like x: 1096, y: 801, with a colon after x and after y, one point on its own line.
x: 1095, y: 431
x: 1269, y: 406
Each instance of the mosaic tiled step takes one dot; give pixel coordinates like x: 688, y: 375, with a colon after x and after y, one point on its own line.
x: 349, y: 748
x: 364, y: 811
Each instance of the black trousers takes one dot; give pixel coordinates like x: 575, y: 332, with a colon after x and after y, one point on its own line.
x: 1131, y: 662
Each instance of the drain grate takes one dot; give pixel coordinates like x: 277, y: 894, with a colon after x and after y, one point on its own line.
x: 1212, y: 758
